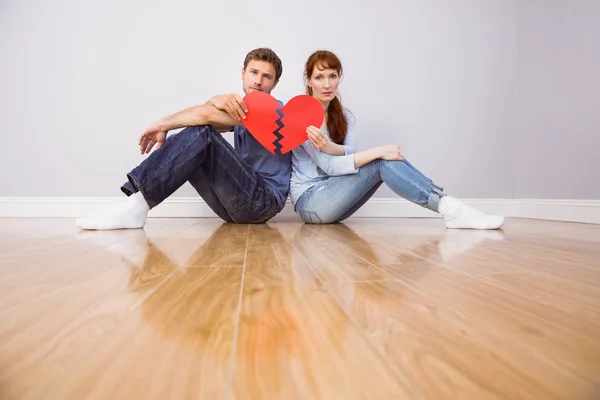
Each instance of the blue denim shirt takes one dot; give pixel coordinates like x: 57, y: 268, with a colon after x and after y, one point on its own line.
x: 275, y: 170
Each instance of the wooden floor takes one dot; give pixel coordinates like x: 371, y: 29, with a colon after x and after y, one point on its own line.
x: 369, y: 309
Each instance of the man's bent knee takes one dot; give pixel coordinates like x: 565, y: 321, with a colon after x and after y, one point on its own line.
x: 193, y: 136
x: 201, y: 131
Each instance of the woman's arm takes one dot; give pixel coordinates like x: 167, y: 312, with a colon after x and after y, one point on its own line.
x: 333, y: 158
x: 321, y: 142
x: 366, y: 156
x: 331, y: 165
x: 349, y: 164
x: 333, y: 149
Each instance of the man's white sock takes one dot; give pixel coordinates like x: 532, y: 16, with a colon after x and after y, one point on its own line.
x: 129, y: 214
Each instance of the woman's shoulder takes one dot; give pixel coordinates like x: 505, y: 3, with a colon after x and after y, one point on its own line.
x: 349, y: 117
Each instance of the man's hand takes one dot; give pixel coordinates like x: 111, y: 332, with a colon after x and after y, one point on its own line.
x: 154, y: 135
x: 390, y: 152
x: 317, y: 137
x: 232, y: 104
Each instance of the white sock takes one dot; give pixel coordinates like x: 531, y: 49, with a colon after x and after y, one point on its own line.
x: 129, y: 214
x: 460, y: 216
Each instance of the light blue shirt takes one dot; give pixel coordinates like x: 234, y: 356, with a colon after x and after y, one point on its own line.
x: 310, y: 166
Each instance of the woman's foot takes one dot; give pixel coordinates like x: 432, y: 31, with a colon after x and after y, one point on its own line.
x: 129, y: 214
x: 458, y: 215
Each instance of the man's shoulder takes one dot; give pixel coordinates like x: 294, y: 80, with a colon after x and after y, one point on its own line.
x: 239, y: 129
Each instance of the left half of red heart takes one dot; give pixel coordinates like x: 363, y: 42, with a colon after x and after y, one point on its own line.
x: 261, y: 118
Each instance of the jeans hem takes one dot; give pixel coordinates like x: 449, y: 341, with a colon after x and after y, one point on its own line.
x: 132, y: 180
x: 433, y: 201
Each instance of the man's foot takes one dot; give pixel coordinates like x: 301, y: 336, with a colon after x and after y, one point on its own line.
x: 461, y: 216
x: 129, y: 214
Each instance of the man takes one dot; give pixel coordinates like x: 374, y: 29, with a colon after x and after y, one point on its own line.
x: 245, y: 184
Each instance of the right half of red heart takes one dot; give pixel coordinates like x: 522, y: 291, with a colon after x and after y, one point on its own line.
x: 298, y: 114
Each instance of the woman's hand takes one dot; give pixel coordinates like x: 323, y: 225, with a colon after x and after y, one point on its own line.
x: 321, y: 142
x: 391, y: 152
x: 317, y: 137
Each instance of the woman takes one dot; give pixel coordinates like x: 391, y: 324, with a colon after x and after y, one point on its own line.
x: 330, y: 181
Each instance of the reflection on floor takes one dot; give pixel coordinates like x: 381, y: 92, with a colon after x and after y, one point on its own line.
x: 372, y: 308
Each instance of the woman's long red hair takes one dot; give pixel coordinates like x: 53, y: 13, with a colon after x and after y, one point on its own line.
x: 337, y: 123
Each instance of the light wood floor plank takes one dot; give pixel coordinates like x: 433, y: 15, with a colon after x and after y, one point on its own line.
x: 372, y: 308
x: 295, y: 341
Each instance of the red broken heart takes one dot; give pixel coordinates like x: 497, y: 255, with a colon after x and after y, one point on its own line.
x: 298, y: 114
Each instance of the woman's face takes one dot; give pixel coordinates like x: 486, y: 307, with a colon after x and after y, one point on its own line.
x: 324, y: 83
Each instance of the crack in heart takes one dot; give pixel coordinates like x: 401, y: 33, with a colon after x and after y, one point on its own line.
x: 279, y: 136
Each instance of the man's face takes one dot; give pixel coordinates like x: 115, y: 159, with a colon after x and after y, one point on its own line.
x: 258, y: 76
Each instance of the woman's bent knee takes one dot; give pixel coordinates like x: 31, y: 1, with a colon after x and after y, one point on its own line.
x: 311, y: 217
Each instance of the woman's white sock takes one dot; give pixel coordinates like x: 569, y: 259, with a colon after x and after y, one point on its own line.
x: 458, y: 215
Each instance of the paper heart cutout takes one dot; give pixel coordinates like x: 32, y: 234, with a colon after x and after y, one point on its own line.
x: 281, y: 129
x: 298, y: 114
x: 261, y: 118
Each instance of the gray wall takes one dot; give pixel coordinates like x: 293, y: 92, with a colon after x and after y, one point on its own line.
x: 558, y: 119
x: 81, y: 80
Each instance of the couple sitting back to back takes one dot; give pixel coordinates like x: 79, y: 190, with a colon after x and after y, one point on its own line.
x: 326, y: 178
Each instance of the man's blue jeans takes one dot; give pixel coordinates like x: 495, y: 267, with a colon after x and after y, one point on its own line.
x: 338, y: 197
x: 200, y: 155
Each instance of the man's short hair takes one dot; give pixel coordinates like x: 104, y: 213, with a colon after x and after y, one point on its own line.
x: 267, y: 55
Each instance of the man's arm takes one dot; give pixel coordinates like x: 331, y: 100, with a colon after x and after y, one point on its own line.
x: 206, y: 114
x: 222, y: 112
x: 231, y: 103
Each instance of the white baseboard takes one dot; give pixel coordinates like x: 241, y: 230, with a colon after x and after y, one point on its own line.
x: 587, y: 211
x: 194, y: 207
